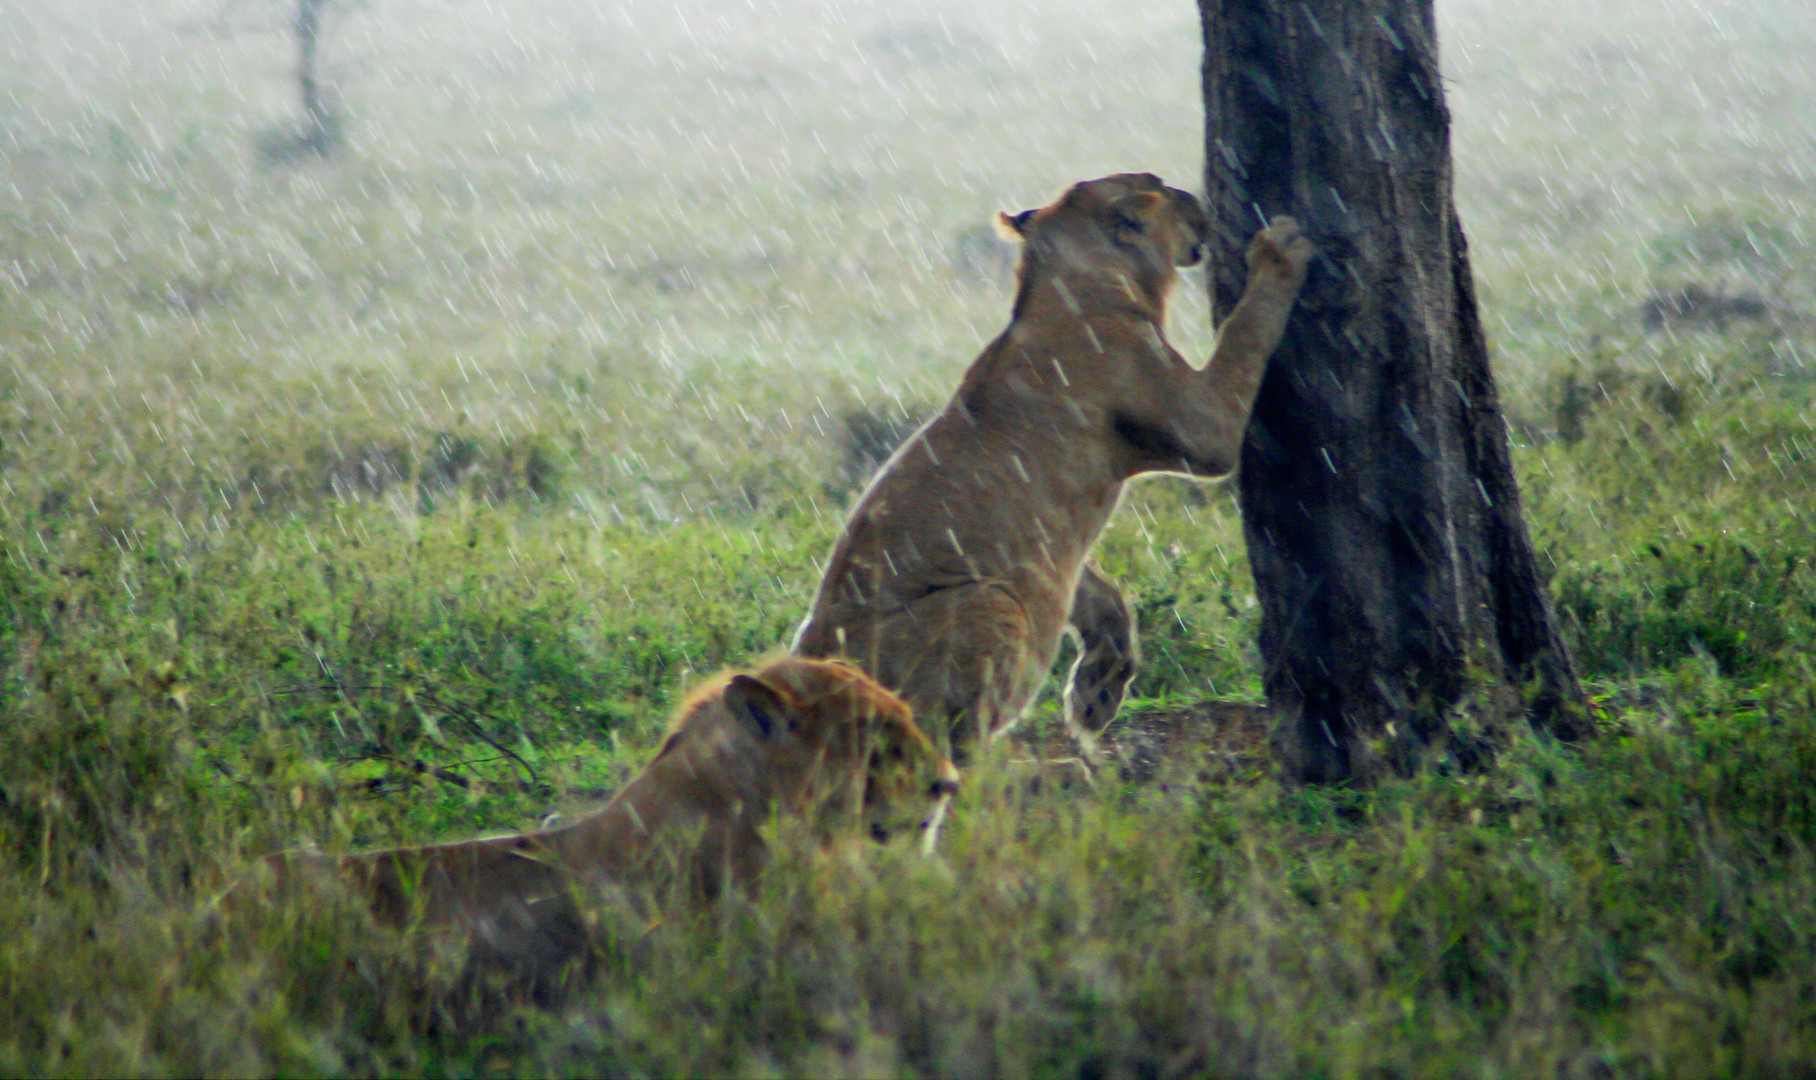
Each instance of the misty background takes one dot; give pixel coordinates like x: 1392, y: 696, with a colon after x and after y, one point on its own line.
x: 613, y: 220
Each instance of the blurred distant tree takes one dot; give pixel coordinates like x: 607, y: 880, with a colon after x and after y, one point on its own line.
x: 320, y: 133
x: 1401, y: 603
x: 320, y: 123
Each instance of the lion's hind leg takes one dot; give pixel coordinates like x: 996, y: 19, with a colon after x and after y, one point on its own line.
x: 509, y: 897
x: 962, y: 657
x: 1108, y: 658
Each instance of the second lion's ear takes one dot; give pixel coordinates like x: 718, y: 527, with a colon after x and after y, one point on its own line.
x: 1013, y: 226
x: 758, y: 706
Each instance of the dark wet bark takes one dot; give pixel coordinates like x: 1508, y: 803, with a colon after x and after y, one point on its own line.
x: 1396, y: 578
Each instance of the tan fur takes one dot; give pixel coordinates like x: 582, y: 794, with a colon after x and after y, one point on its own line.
x: 816, y: 739
x: 967, y: 557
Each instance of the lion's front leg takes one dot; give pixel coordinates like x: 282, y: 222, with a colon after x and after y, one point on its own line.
x: 1108, y: 658
x: 1207, y: 411
x: 1278, y: 259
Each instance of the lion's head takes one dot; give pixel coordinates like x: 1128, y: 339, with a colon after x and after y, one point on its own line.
x: 828, y: 742
x: 1130, y: 223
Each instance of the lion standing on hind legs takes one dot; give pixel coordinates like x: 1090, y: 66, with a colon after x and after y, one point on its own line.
x: 967, y: 557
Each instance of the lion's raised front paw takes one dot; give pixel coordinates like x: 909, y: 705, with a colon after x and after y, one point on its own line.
x: 1282, y: 249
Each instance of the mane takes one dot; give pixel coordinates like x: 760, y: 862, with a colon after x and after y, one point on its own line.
x: 808, y: 682
x: 696, y: 701
x: 694, y: 711
x: 846, y: 681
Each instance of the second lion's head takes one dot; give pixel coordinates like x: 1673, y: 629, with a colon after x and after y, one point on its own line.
x: 830, y: 743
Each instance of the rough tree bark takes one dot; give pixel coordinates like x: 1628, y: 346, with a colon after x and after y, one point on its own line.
x: 1397, y: 582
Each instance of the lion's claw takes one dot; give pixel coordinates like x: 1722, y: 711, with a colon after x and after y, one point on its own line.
x: 1283, y: 248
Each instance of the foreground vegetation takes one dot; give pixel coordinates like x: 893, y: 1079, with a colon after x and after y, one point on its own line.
x: 371, y: 671
x: 399, y: 497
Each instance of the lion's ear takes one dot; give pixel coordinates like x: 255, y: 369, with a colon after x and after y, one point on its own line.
x: 1137, y: 204
x: 756, y: 705
x: 1013, y: 226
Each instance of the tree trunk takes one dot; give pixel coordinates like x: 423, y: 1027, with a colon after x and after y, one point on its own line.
x: 1397, y: 583
x: 320, y: 125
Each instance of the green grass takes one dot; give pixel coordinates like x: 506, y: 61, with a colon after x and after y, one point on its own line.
x: 400, y: 497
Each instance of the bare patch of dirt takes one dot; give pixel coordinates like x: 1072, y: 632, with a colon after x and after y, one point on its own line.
x: 1204, y: 743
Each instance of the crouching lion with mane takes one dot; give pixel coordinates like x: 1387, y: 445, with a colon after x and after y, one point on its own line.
x: 967, y: 557
x: 809, y: 738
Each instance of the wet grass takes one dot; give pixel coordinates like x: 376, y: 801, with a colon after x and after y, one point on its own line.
x: 400, y: 496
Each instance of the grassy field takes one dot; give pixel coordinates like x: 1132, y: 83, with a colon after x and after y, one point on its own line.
x: 399, y: 495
